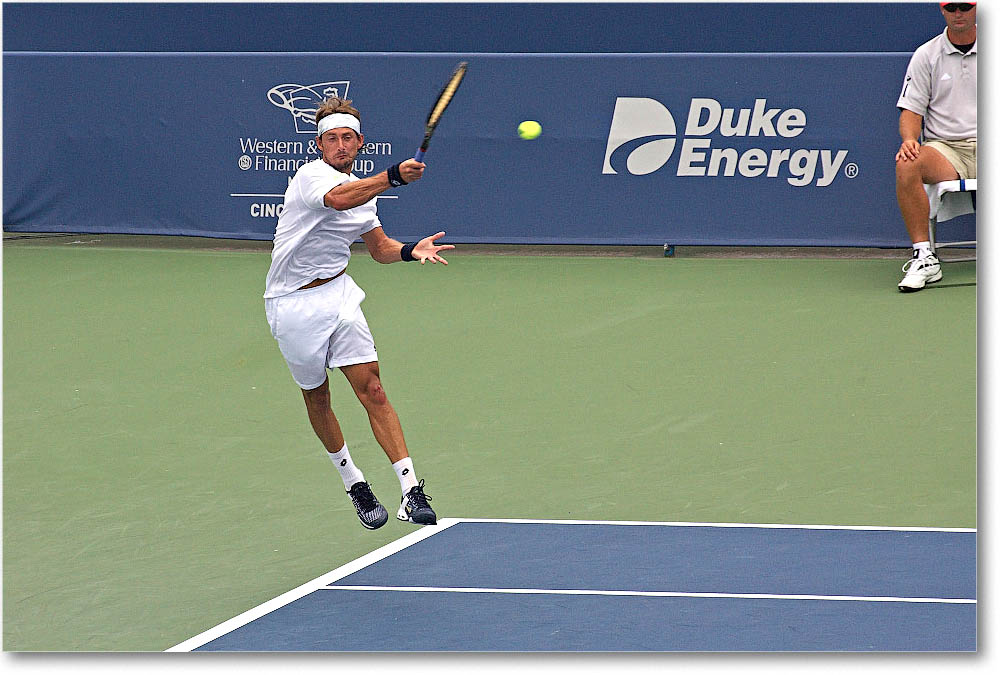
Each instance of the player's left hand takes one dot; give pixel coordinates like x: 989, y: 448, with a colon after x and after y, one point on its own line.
x: 428, y: 249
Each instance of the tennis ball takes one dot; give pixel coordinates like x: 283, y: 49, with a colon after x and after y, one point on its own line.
x: 529, y: 130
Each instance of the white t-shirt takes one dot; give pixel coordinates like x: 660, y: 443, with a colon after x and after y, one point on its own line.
x: 313, y: 240
x: 940, y: 86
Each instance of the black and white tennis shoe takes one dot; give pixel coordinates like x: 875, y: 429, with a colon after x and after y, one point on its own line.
x: 372, y: 514
x: 413, y: 507
x: 920, y: 271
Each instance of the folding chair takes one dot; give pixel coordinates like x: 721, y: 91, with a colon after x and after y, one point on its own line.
x: 950, y: 199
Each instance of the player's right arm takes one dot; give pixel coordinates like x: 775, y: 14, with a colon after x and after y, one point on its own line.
x: 912, y: 103
x: 910, y: 126
x: 355, y: 193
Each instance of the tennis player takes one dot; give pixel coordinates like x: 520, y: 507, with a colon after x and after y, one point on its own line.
x: 314, y: 308
x: 939, y: 99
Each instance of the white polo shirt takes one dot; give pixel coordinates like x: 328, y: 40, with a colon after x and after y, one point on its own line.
x: 940, y: 86
x: 313, y: 240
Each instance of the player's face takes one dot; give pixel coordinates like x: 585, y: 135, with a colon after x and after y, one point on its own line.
x: 339, y: 147
x: 959, y: 21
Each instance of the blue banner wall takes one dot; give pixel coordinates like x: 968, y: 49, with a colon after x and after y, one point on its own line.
x: 753, y: 149
x: 532, y: 27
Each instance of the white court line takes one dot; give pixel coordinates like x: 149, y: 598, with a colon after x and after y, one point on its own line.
x: 776, y: 526
x: 307, y: 588
x: 321, y: 583
x: 647, y: 594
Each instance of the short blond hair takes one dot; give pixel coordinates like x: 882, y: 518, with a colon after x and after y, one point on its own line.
x: 335, y: 104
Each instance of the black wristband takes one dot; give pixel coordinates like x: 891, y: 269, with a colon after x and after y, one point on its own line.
x: 395, y: 178
x: 406, y: 253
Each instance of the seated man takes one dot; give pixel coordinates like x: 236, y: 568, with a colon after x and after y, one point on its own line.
x: 939, y: 96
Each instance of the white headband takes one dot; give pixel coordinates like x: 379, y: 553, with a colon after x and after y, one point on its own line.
x: 337, y: 120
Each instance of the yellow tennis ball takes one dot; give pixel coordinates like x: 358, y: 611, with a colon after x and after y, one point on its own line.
x: 529, y: 130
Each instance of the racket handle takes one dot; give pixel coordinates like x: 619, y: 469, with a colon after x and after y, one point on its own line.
x: 420, y: 155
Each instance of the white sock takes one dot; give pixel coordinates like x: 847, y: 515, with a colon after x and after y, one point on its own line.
x: 921, y: 249
x: 407, y: 476
x: 350, y: 473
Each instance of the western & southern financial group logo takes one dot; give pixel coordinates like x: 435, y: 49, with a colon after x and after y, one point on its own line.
x: 643, y: 136
x: 276, y: 159
x: 302, y: 100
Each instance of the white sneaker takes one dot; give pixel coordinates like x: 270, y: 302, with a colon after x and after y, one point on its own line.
x: 920, y: 272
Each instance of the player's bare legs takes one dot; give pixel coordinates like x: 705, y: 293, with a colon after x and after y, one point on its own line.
x: 321, y: 416
x: 367, y: 385
x: 364, y: 379
x: 929, y: 166
x: 916, y: 165
x: 371, y: 513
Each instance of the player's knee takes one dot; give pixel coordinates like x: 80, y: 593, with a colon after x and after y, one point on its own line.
x: 907, y: 168
x: 374, y: 392
x: 317, y: 398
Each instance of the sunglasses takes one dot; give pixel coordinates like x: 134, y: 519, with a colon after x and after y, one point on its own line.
x: 955, y: 6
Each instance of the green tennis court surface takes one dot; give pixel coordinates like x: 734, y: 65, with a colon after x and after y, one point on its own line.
x: 160, y: 475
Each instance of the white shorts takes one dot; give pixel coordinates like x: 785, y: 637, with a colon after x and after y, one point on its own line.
x: 319, y: 328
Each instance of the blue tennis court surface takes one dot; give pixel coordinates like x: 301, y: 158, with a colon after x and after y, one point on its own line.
x: 518, y: 585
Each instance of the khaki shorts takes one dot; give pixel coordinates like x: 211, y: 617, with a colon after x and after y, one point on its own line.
x: 961, y: 154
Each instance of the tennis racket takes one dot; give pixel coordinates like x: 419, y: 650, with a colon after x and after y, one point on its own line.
x: 443, y: 99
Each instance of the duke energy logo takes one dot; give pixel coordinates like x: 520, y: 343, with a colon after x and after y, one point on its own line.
x: 643, y: 137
